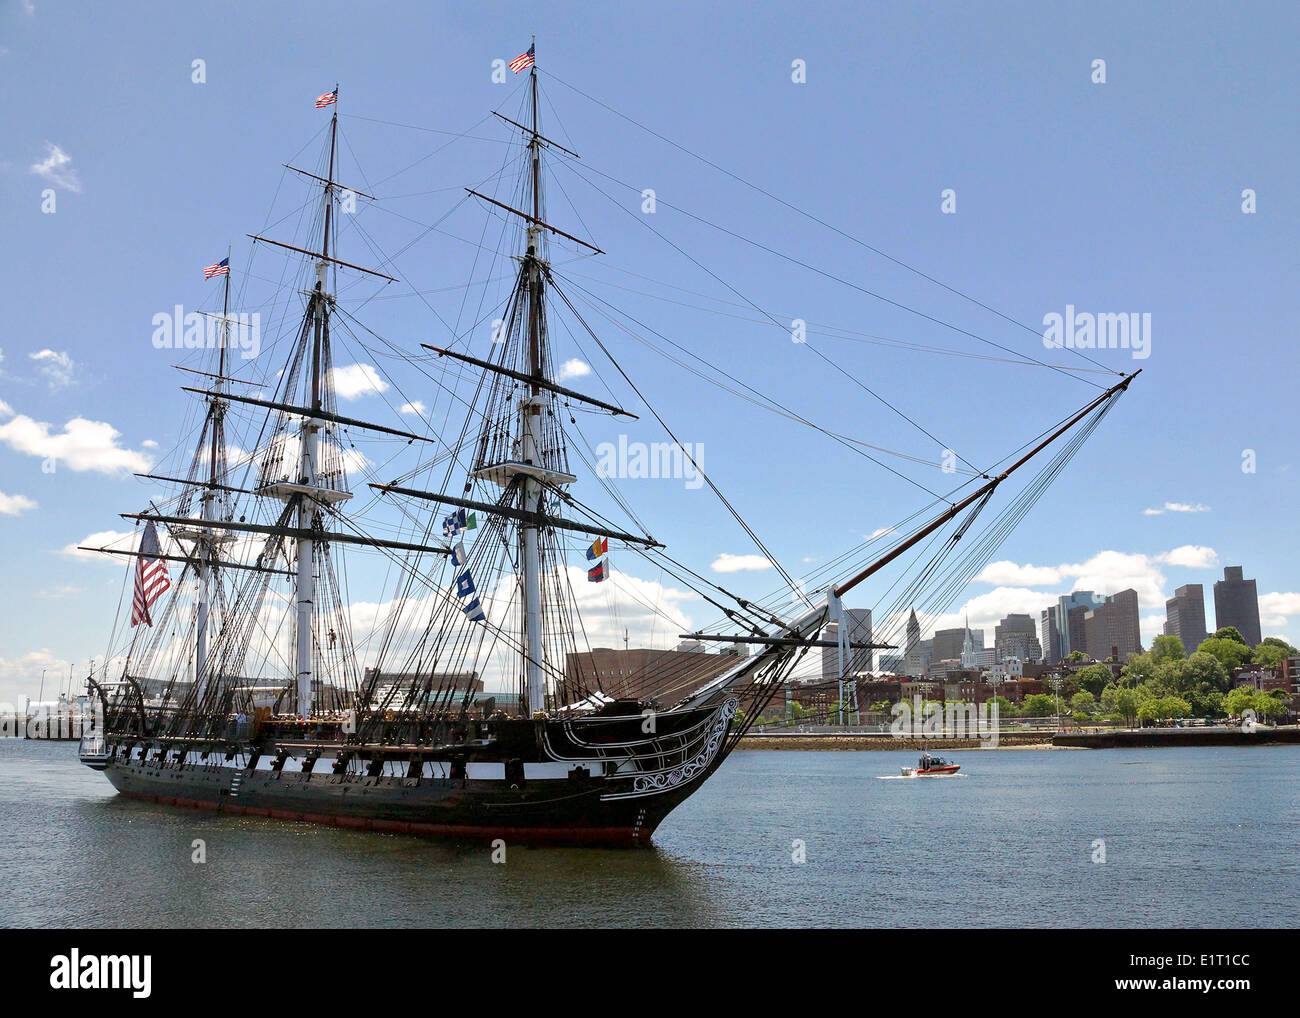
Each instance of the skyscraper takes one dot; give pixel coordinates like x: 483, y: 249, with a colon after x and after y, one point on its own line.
x: 1070, y: 612
x: 1050, y: 637
x: 1185, y: 616
x: 913, y: 633
x: 1113, y: 625
x: 948, y: 644
x: 916, y: 653
x: 1236, y: 603
x: 1015, y: 636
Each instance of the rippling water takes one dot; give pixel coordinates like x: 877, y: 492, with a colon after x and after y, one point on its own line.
x: 1193, y: 837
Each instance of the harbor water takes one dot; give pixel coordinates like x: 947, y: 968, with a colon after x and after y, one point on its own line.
x: 1187, y: 837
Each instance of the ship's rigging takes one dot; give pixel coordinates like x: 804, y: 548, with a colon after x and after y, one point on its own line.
x: 268, y: 603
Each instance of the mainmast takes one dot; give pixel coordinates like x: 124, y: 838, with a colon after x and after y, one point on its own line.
x: 309, y: 432
x: 534, y: 682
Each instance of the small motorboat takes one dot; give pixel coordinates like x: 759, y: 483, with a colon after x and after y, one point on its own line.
x: 931, y: 767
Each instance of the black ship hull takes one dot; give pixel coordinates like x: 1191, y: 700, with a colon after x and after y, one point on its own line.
x: 584, y: 782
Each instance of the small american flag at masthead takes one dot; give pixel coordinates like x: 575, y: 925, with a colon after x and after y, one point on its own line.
x: 328, y: 99
x: 523, y: 60
x: 151, y: 577
x: 222, y: 268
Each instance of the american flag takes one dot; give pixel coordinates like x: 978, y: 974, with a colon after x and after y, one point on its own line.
x: 222, y: 268
x: 151, y: 577
x: 328, y: 99
x: 523, y: 60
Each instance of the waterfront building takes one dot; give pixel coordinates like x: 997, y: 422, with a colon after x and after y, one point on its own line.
x: 1185, y: 616
x: 1236, y: 603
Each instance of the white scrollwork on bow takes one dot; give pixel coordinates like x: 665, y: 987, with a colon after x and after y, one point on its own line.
x: 667, y: 779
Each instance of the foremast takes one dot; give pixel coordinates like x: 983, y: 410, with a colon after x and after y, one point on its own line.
x: 209, y: 539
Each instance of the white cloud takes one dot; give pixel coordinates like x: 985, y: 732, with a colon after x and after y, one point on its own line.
x: 82, y: 445
x: 574, y: 368
x: 1275, y: 609
x: 1193, y: 556
x: 1109, y: 572
x: 121, y: 539
x: 55, y: 366
x: 20, y: 677
x: 149, y: 443
x: 58, y: 593
x: 352, y: 381
x: 13, y: 505
x: 728, y: 563
x: 414, y: 407
x: 987, y: 610
x: 1006, y: 573
x: 1176, y: 507
x: 56, y: 169
x: 881, y: 532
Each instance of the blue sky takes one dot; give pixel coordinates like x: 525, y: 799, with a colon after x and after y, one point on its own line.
x: 1115, y: 197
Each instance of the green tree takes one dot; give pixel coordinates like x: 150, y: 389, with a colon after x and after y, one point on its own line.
x: 1039, y: 705
x: 1267, y: 706
x: 1006, y: 709
x: 1207, y: 704
x: 1166, y: 648
x: 1083, y: 704
x: 1272, y: 651
x: 1139, y: 668
x: 1205, y: 669
x: 1229, y: 633
x: 1162, y: 708
x: 1125, y: 702
x: 1093, y: 678
x: 1232, y: 654
x: 1238, y: 700
x: 1076, y: 655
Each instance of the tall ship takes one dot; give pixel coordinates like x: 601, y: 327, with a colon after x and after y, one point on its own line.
x: 474, y: 705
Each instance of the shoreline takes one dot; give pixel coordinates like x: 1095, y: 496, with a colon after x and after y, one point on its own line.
x: 1148, y: 738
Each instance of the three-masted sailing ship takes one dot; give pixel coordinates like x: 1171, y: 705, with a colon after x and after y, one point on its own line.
x: 247, y: 692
